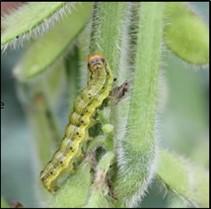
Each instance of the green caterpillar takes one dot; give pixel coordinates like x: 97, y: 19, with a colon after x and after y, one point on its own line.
x: 98, y: 89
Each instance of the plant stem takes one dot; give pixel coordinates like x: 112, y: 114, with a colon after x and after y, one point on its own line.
x: 106, y: 31
x: 138, y: 148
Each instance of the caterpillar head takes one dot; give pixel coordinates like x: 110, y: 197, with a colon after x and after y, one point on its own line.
x: 96, y: 62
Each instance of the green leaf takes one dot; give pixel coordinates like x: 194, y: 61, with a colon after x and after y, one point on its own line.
x: 186, y: 34
x: 30, y: 20
x: 185, y: 179
x: 46, y: 50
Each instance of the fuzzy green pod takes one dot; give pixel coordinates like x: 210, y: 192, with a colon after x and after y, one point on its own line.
x: 185, y: 34
x: 99, y: 197
x: 75, y: 191
x: 184, y: 178
x: 137, y: 150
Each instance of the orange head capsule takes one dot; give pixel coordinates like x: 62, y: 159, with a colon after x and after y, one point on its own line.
x: 96, y: 62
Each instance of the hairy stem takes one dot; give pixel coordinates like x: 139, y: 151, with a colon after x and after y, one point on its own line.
x: 106, y: 31
x: 138, y: 148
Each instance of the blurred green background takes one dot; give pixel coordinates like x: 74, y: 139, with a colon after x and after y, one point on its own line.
x: 182, y: 126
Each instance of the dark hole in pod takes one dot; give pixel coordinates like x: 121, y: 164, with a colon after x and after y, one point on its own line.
x: 104, y: 104
x: 74, y: 164
x: 100, y: 151
x: 95, y: 130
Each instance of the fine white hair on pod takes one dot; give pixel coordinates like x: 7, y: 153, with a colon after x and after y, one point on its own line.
x: 39, y: 29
